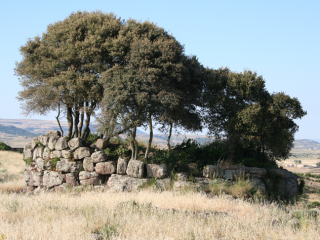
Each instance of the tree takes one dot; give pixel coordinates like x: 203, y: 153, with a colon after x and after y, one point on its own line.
x: 61, y: 69
x: 238, y: 107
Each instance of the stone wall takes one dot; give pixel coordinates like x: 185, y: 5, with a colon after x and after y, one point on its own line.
x: 52, y: 162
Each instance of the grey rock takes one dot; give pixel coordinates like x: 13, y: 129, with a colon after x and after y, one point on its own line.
x: 34, y: 142
x: 122, y: 166
x: 182, y: 177
x: 181, y: 185
x: 157, y: 171
x: 255, y: 172
x: 88, y: 165
x: 164, y: 184
x: 51, y: 179
x: 121, y: 183
x: 61, y: 144
x: 71, y: 179
x: 67, y: 154
x: 101, y: 143
x: 56, y: 154
x: 235, y: 172
x: 135, y: 168
x: 43, y: 139
x: 67, y: 166
x: 81, y: 153
x: 91, y: 178
x: 99, y: 156
x: 52, y: 142
x: 259, y: 185
x: 212, y: 171
x: 40, y: 163
x: 46, y: 153
x: 283, y: 173
x: 27, y: 152
x: 75, y: 143
x: 61, y: 188
x: 53, y: 133
x: 289, y: 186
x: 26, y: 176
x: 35, y: 178
x: 104, y: 168
x: 38, y: 152
x: 49, y: 165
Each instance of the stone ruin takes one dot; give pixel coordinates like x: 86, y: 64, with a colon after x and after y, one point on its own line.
x: 52, y: 162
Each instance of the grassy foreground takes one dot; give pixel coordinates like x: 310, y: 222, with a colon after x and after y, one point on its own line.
x: 142, y: 215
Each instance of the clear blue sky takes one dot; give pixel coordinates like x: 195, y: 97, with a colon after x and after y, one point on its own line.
x: 278, y: 39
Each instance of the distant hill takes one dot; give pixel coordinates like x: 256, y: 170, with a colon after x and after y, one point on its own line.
x: 16, y: 131
x: 306, y: 144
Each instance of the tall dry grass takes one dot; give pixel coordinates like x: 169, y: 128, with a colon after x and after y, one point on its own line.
x: 11, y: 171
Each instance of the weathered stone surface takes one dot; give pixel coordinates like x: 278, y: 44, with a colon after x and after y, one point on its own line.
x: 75, y: 143
x: 234, y: 172
x: 81, y: 153
x: 53, y: 133
x: 49, y: 165
x: 51, y: 179
x: 99, y: 156
x: 157, y: 171
x: 52, y: 142
x: 135, y: 168
x: 283, y: 173
x: 56, y: 154
x: 46, y: 153
x: 28, y: 151
x: 120, y: 183
x: 71, y: 179
x: 61, y: 188
x: 259, y: 185
x: 104, y: 168
x: 66, y: 166
x: 164, y: 184
x: 37, y: 152
x: 289, y: 186
x: 91, y: 178
x: 88, y: 165
x: 212, y: 171
x: 26, y: 176
x: 34, y: 142
x: 180, y: 185
x: 67, y: 154
x: 40, y: 163
x: 182, y: 177
x: 101, y: 143
x: 255, y: 172
x: 122, y: 166
x: 61, y: 144
x: 43, y: 139
x: 35, y: 178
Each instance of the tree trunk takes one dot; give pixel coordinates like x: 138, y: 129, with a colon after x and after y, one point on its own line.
x: 169, y: 137
x: 86, y: 130
x: 57, y: 117
x: 150, y: 138
x: 81, y: 119
x: 70, y: 121
x: 134, y: 144
x: 76, y: 122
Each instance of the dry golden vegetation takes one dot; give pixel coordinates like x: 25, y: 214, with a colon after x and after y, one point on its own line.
x: 146, y: 214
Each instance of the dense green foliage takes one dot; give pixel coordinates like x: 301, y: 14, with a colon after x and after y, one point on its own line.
x: 5, y: 147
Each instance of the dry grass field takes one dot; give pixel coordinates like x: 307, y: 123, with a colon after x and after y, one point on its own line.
x: 146, y: 214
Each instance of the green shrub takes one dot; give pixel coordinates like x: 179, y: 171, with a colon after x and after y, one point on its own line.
x: 121, y: 151
x: 5, y: 147
x: 315, y: 204
x: 92, y: 137
x: 55, y: 161
x: 27, y: 161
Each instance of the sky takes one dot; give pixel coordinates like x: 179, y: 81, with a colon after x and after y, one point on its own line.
x: 280, y: 40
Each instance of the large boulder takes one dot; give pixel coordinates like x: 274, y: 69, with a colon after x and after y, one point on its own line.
x: 234, y: 172
x: 75, y: 143
x: 99, y: 156
x: 26, y: 176
x: 105, y: 168
x: 122, y: 166
x: 120, y: 183
x: 40, y: 164
x: 212, y: 171
x: 283, y: 173
x: 136, y: 169
x: 61, y: 144
x: 101, y: 143
x: 53, y: 133
x: 71, y: 179
x: 46, y: 153
x: 88, y: 164
x: 255, y: 172
x: 43, y: 139
x: 35, y: 178
x: 157, y: 171
x: 34, y: 142
x: 52, y: 142
x: 67, y: 154
x: 38, y: 152
x: 289, y: 186
x: 66, y: 166
x: 259, y: 185
x: 51, y: 179
x: 81, y: 153
x: 28, y: 152
x: 91, y: 178
x: 56, y: 154
x: 49, y: 165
